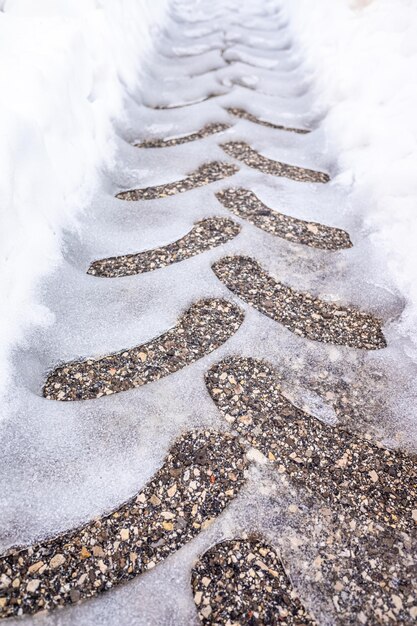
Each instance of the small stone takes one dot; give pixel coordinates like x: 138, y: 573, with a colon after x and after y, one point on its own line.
x: 98, y: 551
x: 57, y: 561
x: 398, y: 603
x: 33, y: 585
x: 373, y: 476
x: 206, y: 611
x: 75, y: 595
x: 172, y: 490
x: 5, y: 581
x: 85, y: 554
x: 35, y: 567
x: 167, y: 515
x: 124, y: 534
x: 208, y: 522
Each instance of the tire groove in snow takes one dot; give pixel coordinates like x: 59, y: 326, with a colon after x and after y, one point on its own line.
x: 302, y: 313
x: 204, y: 235
x: 202, y: 473
x: 243, y: 152
x: 246, y: 205
x: 365, y: 491
x: 204, y: 327
x: 204, y: 175
x: 243, y: 579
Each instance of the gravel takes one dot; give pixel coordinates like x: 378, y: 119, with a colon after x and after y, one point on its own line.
x: 204, y: 327
x: 202, y: 473
x: 242, y: 114
x: 302, y: 313
x: 204, y: 175
x: 206, y: 131
x: 246, y: 205
x: 243, y: 152
x: 204, y: 235
x: 243, y: 582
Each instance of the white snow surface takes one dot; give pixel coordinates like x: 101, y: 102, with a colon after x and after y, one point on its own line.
x: 65, y: 69
x: 362, y: 55
x: 64, y: 463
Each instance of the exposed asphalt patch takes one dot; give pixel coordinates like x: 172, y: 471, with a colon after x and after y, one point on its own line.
x: 302, y: 313
x: 183, y: 105
x: 336, y: 465
x: 204, y: 235
x: 245, y: 115
x: 204, y: 175
x: 243, y: 152
x: 246, y: 205
x: 242, y: 581
x: 204, y: 327
x: 202, y: 473
x: 206, y: 131
x: 365, y: 492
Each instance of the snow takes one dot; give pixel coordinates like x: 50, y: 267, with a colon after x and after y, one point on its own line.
x: 362, y: 56
x: 66, y: 463
x: 65, y: 70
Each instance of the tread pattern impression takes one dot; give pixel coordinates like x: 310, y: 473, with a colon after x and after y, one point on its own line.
x: 302, y: 313
x: 202, y: 473
x: 204, y: 327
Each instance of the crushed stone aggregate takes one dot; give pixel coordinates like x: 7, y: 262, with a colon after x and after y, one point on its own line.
x: 337, y: 465
x: 243, y: 152
x: 245, y: 204
x: 206, y: 131
x: 203, y: 472
x: 205, y: 326
x: 205, y: 234
x: 366, y: 494
x: 204, y: 175
x: 242, y: 581
x: 245, y: 115
x: 300, y: 312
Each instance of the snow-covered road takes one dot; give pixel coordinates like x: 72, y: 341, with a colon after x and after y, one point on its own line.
x: 220, y: 282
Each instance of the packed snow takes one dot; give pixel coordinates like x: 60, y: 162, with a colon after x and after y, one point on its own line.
x: 65, y: 70
x: 362, y: 55
x: 78, y: 96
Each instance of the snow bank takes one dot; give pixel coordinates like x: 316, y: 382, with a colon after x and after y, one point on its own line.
x: 363, y: 55
x: 64, y: 70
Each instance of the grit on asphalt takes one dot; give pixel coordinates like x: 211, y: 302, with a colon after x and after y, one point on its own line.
x: 360, y: 496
